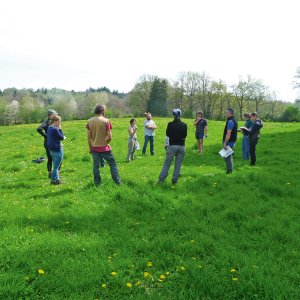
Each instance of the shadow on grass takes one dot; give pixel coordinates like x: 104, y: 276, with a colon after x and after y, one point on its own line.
x: 54, y: 194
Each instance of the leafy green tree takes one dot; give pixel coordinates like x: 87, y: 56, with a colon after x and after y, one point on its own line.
x: 157, y: 104
x: 138, y: 98
x: 291, y: 114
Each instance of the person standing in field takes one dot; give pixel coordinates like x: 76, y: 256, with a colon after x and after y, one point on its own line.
x: 177, y: 132
x: 54, y: 138
x: 201, y: 130
x: 253, y: 133
x: 149, y: 128
x: 42, y: 130
x: 99, y: 136
x: 246, y: 142
x: 132, y: 140
x: 229, y: 137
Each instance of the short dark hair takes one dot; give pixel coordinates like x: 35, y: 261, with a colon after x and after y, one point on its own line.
x: 132, y: 120
x: 254, y: 114
x: 230, y: 110
x: 200, y: 113
x: 99, y: 109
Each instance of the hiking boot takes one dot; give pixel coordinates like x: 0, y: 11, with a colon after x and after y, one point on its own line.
x: 55, y: 182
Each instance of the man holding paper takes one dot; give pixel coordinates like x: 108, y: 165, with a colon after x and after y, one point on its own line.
x: 229, y: 138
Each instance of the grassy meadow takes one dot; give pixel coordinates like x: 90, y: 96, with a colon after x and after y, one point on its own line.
x: 212, y: 236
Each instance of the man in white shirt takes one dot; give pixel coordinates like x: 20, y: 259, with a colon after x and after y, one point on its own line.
x: 149, y: 128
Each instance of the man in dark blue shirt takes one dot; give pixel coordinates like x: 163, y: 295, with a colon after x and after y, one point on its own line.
x: 177, y: 132
x: 229, y: 137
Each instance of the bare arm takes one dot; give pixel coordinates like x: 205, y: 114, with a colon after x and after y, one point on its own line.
x: 89, y: 139
x: 228, y: 135
x: 108, y: 136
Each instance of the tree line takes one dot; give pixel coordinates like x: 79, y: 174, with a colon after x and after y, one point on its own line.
x: 30, y: 106
x: 190, y: 91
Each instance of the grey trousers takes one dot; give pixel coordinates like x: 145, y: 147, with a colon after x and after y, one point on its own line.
x: 178, y: 152
x: 229, y: 163
x: 131, y: 149
x: 108, y: 156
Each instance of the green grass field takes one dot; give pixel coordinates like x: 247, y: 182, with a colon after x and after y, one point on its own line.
x: 212, y: 236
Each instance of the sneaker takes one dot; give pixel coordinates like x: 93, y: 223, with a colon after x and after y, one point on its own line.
x: 55, y: 182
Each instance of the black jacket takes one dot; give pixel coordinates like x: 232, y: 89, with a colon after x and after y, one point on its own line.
x: 254, y: 130
x: 177, y: 132
x: 43, y: 128
x: 233, y: 136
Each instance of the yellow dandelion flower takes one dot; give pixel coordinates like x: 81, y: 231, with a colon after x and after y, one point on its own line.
x: 103, y: 285
x: 146, y: 274
x: 167, y: 273
x: 138, y: 283
x: 162, y: 277
x: 235, y: 279
x: 129, y: 285
x: 233, y: 270
x: 41, y: 272
x: 149, y: 264
x: 113, y: 273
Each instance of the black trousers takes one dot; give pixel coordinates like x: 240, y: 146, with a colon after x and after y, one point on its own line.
x: 253, y: 143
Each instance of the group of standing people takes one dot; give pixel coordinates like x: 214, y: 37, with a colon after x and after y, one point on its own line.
x: 99, y: 135
x: 250, y: 132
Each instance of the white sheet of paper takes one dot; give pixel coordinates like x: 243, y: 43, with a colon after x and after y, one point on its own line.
x: 224, y: 153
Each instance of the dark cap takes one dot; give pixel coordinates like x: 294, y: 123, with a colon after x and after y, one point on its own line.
x: 254, y: 114
x: 177, y: 112
x: 230, y: 110
x: 52, y: 112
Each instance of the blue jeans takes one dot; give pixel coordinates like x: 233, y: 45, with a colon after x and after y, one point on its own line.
x: 98, y: 158
x: 57, y: 157
x: 178, y: 152
x: 246, y: 147
x: 147, y: 139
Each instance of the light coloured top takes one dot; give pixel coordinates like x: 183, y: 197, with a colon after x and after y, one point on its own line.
x: 149, y: 131
x: 132, y: 129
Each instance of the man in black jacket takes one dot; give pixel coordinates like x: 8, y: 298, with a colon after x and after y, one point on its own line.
x: 253, y: 133
x: 229, y: 137
x: 42, y: 130
x: 177, y: 132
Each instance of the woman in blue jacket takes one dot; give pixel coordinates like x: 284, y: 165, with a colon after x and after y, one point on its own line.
x: 54, y: 138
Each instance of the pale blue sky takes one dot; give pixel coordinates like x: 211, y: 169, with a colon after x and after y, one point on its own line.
x: 78, y: 44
